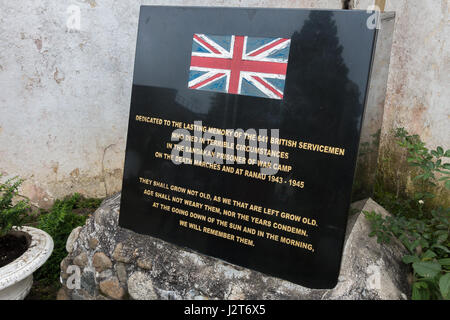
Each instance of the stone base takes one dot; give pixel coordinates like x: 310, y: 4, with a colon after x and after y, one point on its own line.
x: 115, y: 263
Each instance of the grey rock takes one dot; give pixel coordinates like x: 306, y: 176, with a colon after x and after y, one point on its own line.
x: 101, y: 262
x: 105, y: 274
x: 121, y: 270
x: 81, y: 260
x: 65, y: 263
x: 106, y: 216
x: 151, y: 268
x: 121, y: 254
x: 144, y: 263
x: 72, y: 238
x: 81, y: 294
x: 88, y: 282
x: 112, y: 288
x: 236, y: 293
x: 140, y: 287
x: 370, y: 270
x: 100, y: 218
x: 93, y: 243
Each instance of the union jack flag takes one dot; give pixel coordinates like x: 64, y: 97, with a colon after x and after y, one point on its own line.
x: 240, y: 65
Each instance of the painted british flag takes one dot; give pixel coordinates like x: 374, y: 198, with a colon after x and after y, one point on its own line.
x: 240, y: 65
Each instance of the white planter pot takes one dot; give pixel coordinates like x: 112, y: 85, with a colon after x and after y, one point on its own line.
x: 16, y: 278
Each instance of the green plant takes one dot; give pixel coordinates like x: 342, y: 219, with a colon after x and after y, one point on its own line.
x: 11, y: 214
x: 367, y: 148
x: 428, y: 244
x: 422, y: 229
x: 59, y: 223
x: 429, y: 163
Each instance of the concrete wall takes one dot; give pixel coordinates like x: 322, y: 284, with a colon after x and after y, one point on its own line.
x: 417, y: 93
x: 65, y: 93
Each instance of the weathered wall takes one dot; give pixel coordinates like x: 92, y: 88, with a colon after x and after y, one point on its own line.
x: 417, y: 94
x: 65, y: 94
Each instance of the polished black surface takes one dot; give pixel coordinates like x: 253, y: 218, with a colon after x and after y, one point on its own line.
x: 324, y: 97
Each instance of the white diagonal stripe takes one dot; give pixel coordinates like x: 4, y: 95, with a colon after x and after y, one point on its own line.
x: 262, y: 88
x: 212, y: 44
x: 205, y: 77
x: 263, y: 56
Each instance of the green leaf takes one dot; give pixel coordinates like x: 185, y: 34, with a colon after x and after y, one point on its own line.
x: 428, y: 255
x: 427, y: 269
x: 442, y: 235
x: 444, y: 262
x: 410, y: 259
x: 420, y: 291
x: 444, y: 286
x: 440, y: 151
x: 438, y: 246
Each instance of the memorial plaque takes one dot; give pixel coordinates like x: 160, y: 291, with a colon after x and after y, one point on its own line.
x: 243, y: 134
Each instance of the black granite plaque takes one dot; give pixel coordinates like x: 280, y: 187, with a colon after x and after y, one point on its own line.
x: 304, y: 72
